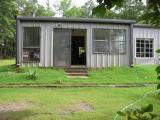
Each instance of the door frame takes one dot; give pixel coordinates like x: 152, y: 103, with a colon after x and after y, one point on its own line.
x: 70, y: 56
x: 85, y: 51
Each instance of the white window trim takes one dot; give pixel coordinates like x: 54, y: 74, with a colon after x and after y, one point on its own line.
x: 136, y: 48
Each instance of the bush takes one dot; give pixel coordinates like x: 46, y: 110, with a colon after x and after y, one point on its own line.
x: 31, y: 75
x: 19, y: 70
x: 158, y: 70
x: 142, y: 113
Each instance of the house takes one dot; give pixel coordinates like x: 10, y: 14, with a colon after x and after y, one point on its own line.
x: 94, y: 43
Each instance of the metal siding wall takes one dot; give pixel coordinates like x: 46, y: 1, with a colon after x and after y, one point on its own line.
x: 93, y: 60
x: 146, y: 33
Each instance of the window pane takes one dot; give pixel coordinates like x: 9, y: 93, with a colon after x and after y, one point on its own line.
x: 101, y: 46
x: 137, y: 54
x: 147, y: 55
x: 147, y: 50
x: 151, y: 50
x: 151, y: 45
x: 142, y: 49
x: 142, y: 41
x: 31, y: 44
x: 118, y: 41
x: 151, y: 54
x: 147, y: 45
x: 138, y: 50
x: 31, y: 37
x: 142, y: 45
x: 137, y: 45
x: 117, y: 47
x: 30, y: 55
x: 142, y: 55
x: 101, y: 34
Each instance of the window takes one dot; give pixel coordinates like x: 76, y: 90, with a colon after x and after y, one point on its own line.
x: 144, y: 47
x: 109, y: 41
x: 31, y: 44
x: 118, y: 40
x: 101, y: 40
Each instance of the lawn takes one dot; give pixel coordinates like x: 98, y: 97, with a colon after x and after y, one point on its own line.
x: 70, y: 103
x: 114, y: 75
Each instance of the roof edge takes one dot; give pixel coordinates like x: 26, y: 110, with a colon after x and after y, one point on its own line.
x: 145, y: 26
x: 82, y: 20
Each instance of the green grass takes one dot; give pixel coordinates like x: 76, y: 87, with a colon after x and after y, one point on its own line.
x: 115, y: 75
x: 57, y: 104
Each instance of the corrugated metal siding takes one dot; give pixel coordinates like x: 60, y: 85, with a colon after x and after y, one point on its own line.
x: 146, y: 33
x: 93, y: 60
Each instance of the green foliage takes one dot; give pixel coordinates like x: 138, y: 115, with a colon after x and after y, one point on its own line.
x: 131, y: 10
x: 158, y: 51
x: 8, y: 11
x: 26, y: 7
x: 19, y: 70
x: 152, y: 14
x: 142, y: 113
x: 99, y: 11
x: 31, y: 75
x: 158, y: 71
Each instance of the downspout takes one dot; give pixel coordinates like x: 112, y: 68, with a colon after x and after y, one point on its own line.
x: 131, y: 45
x: 17, y: 42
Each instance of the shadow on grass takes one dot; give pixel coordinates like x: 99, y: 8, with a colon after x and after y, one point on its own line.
x: 7, y: 68
x: 15, y: 115
x: 19, y: 115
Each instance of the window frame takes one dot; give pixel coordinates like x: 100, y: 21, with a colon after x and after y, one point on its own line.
x: 110, y: 42
x: 23, y: 35
x: 145, y: 39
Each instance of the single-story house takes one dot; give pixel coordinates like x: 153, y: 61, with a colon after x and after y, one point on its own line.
x: 94, y: 43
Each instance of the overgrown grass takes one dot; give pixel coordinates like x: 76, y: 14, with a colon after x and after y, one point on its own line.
x: 115, y: 75
x: 57, y: 104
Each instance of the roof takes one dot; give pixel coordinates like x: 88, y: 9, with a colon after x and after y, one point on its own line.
x: 79, y: 20
x: 144, y: 26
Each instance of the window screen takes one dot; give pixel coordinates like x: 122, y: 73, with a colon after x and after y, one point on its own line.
x: 31, y: 44
x: 118, y: 41
x: 109, y: 41
x: 144, y: 47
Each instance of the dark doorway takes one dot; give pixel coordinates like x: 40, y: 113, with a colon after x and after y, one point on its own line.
x: 78, y: 51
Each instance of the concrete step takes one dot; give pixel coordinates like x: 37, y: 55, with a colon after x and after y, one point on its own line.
x: 77, y: 71
x: 77, y: 74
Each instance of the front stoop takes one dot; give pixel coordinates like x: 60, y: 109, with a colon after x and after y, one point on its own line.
x: 77, y: 71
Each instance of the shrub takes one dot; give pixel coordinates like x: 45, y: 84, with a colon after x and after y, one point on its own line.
x: 31, y: 75
x: 142, y: 113
x: 19, y: 70
x: 158, y: 71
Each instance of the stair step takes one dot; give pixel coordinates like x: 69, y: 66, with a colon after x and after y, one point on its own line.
x: 77, y: 74
x: 77, y: 71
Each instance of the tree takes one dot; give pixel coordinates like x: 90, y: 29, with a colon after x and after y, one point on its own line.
x: 27, y: 8
x: 87, y: 9
x: 74, y: 12
x: 63, y: 7
x: 8, y: 11
x: 66, y: 9
x: 152, y: 12
x: 131, y: 10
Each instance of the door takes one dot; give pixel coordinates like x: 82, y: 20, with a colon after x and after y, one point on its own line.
x: 78, y: 52
x: 62, y: 47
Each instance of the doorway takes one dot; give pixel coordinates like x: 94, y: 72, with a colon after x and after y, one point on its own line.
x: 78, y: 52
